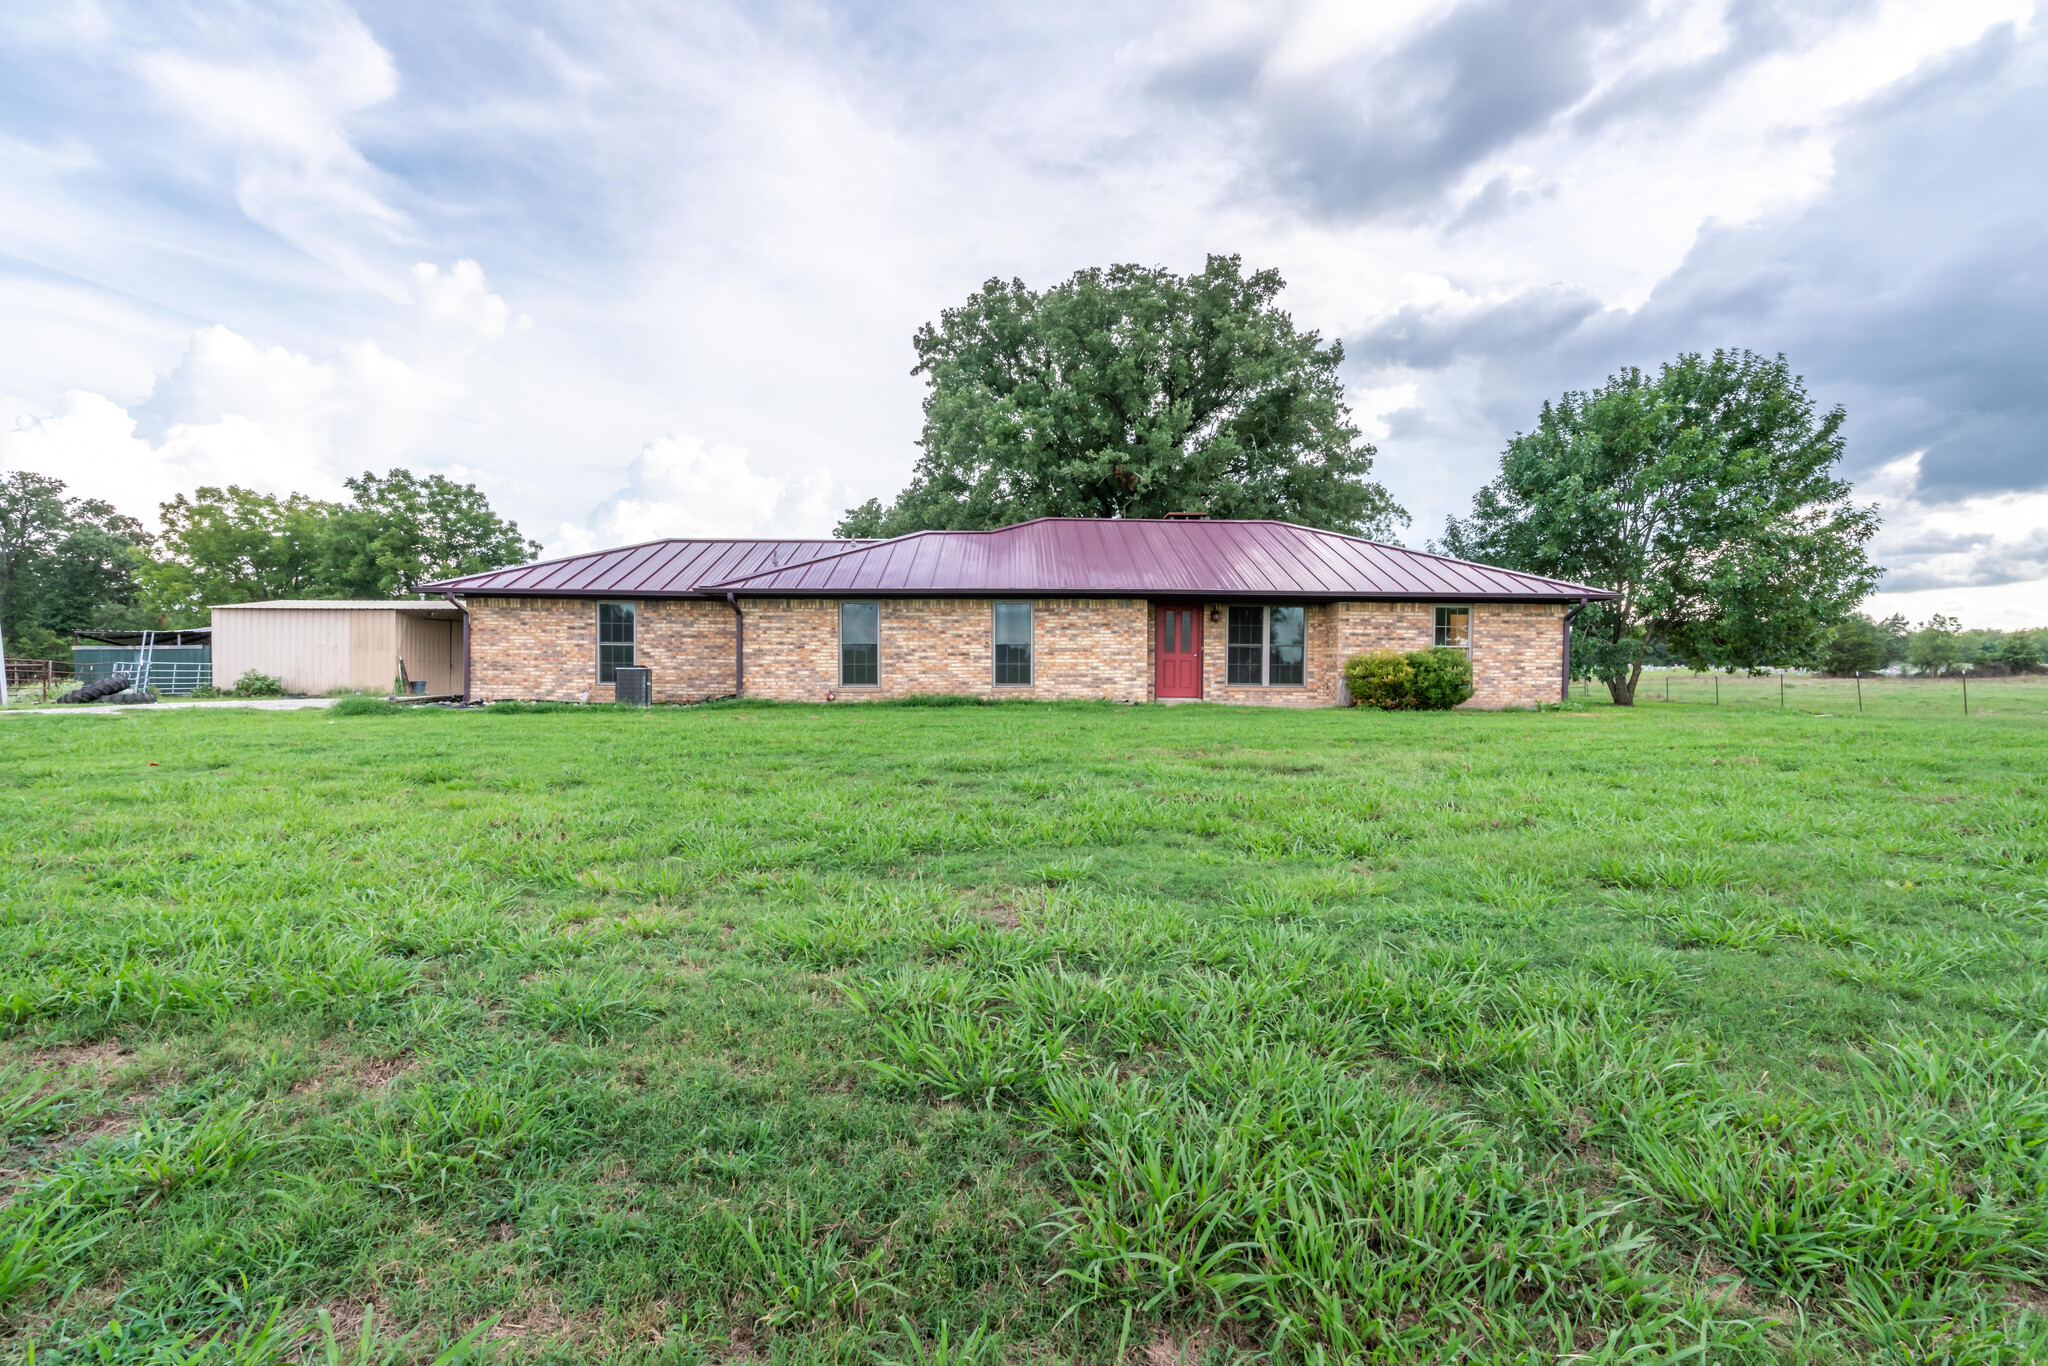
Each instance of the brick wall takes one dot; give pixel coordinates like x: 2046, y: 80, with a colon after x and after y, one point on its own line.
x: 1517, y: 648
x: 1081, y: 648
x: 1517, y: 653
x: 1322, y: 667
x: 545, y: 649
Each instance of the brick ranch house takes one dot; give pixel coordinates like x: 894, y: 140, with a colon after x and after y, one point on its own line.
x: 1183, y: 608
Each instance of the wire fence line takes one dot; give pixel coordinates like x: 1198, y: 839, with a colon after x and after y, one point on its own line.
x: 1868, y: 694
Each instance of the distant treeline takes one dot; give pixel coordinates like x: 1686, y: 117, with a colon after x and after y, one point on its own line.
x: 77, y: 564
x: 1938, y: 645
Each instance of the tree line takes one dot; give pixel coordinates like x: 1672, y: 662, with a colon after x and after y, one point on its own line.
x: 69, y: 563
x: 1938, y: 645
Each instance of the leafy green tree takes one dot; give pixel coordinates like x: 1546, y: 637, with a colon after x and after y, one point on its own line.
x: 65, y: 563
x: 400, y: 531
x: 2020, y: 651
x: 1935, y: 647
x: 1705, y: 495
x: 1897, y: 632
x: 397, y: 531
x: 1132, y: 392
x: 1856, y: 646
x: 236, y: 545
x: 33, y: 522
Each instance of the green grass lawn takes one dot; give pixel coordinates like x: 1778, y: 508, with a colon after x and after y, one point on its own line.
x: 1025, y: 1033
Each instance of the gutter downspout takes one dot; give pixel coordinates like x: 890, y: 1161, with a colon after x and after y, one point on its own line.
x: 739, y: 647
x: 1569, y: 617
x: 452, y: 602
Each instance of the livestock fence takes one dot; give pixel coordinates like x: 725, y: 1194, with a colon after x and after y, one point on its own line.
x: 1865, y: 694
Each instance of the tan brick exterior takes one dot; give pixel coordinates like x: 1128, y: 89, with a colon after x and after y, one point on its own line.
x: 1081, y: 648
x: 546, y: 648
x: 1517, y: 648
x: 1517, y: 653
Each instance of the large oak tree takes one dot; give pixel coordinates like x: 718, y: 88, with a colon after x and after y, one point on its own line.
x: 1705, y: 495
x: 1132, y: 392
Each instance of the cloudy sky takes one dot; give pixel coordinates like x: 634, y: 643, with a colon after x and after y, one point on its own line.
x: 652, y: 269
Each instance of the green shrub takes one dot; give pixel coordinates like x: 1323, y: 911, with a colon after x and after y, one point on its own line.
x: 1428, y: 680
x: 254, y: 684
x: 363, y: 706
x: 1381, y: 679
x: 1442, y: 678
x: 205, y: 692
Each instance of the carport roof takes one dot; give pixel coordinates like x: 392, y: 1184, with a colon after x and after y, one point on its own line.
x: 1130, y: 557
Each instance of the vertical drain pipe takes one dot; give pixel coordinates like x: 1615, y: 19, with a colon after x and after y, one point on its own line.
x: 1568, y: 619
x: 739, y: 647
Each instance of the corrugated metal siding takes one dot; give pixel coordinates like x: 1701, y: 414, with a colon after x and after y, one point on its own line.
x: 432, y: 651
x: 1166, y: 558
x: 308, y: 651
x: 322, y: 648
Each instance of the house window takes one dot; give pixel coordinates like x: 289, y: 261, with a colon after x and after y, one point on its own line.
x: 1454, y: 627
x: 614, y: 638
x: 1013, y: 644
x: 860, y: 644
x: 1268, y: 646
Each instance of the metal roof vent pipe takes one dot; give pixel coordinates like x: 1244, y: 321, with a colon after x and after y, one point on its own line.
x: 633, y: 685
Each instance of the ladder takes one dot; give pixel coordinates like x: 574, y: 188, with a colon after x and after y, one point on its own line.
x: 144, y: 659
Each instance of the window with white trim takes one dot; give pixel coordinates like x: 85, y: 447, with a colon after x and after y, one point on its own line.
x: 1454, y: 628
x: 615, y: 622
x: 1268, y: 646
x: 860, y: 644
x: 1013, y: 644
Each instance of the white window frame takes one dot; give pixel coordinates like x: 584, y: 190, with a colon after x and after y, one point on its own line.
x: 839, y: 640
x: 1030, y: 644
x: 1265, y: 646
x: 1437, y: 636
x: 632, y: 611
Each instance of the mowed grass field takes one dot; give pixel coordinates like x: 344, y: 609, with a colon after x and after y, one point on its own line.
x: 889, y: 1034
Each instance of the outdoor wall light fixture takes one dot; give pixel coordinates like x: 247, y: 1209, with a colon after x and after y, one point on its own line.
x: 1215, y: 613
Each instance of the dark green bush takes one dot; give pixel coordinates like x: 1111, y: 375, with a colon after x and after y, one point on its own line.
x: 1442, y: 678
x: 1381, y: 679
x: 254, y: 684
x: 1426, y: 680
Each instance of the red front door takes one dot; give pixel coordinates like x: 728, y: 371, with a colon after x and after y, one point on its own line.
x: 1178, y: 650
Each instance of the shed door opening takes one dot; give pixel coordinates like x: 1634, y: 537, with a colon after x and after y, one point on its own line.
x: 1179, y: 650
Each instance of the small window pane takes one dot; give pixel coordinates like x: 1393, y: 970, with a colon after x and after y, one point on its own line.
x: 1247, y: 641
x: 860, y: 644
x: 614, y: 639
x: 1454, y: 627
x: 1290, y: 626
x: 1013, y: 643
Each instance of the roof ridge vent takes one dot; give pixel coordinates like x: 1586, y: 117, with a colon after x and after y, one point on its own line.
x: 1183, y: 516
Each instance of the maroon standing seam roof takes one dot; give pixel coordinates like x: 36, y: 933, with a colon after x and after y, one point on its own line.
x: 1129, y: 557
x: 672, y: 568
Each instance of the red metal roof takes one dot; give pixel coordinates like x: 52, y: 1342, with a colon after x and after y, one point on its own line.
x: 1129, y: 557
x: 652, y: 569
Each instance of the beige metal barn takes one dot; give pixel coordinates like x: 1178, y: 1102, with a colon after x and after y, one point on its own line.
x: 318, y: 645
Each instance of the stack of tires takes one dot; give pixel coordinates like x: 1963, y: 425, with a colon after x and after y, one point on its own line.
x: 111, y: 689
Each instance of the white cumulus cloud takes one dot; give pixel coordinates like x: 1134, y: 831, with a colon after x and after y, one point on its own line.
x: 235, y: 411
x: 678, y: 486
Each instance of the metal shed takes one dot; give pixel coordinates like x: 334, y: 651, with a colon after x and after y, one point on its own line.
x: 318, y: 645
x: 179, y: 660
